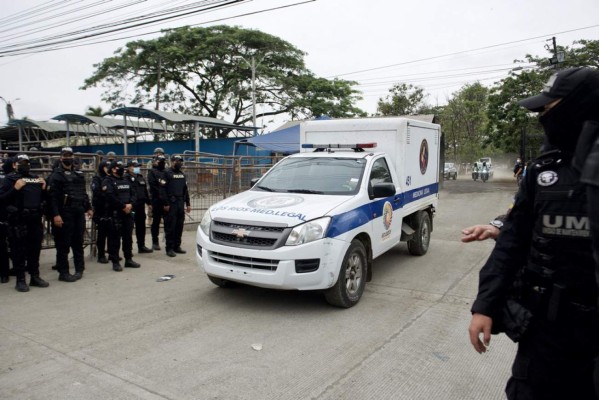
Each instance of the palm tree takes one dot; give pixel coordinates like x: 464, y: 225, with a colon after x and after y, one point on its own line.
x: 94, y: 111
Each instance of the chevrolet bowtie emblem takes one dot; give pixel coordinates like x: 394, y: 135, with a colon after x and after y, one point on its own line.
x: 241, y: 233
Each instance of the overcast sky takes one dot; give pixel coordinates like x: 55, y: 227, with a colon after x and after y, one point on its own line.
x: 439, y: 45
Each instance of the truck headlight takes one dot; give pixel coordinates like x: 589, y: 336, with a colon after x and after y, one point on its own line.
x: 205, y: 223
x: 308, y: 232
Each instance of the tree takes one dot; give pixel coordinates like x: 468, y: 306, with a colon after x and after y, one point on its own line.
x: 208, y: 72
x: 403, y: 99
x: 507, y: 120
x: 464, y: 122
x: 94, y: 111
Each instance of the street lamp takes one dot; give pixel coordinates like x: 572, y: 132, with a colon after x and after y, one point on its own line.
x: 9, y: 110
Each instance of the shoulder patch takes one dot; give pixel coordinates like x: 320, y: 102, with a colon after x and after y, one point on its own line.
x: 547, y: 178
x: 104, y: 188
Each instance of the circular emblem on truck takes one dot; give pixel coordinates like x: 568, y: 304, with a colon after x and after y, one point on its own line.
x: 387, y: 215
x: 275, y: 201
x: 423, y: 156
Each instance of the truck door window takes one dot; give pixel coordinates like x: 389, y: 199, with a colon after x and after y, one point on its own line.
x: 379, y: 174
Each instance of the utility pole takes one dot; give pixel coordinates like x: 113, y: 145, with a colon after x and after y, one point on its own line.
x: 9, y: 110
x: 557, y: 57
x: 253, y: 65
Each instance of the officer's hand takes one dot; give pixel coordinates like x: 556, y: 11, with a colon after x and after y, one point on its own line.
x: 58, y: 221
x: 480, y: 324
x: 90, y: 213
x: 127, y: 208
x: 43, y: 183
x: 149, y: 208
x: 166, y: 208
x: 479, y: 232
x: 19, y: 184
x: 188, y: 209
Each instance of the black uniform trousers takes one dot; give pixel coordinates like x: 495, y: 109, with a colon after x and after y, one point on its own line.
x: 555, y: 360
x: 140, y: 223
x: 25, y: 239
x: 102, y: 230
x: 121, y: 229
x: 173, y: 225
x: 4, y: 265
x: 70, y: 237
x: 157, y: 215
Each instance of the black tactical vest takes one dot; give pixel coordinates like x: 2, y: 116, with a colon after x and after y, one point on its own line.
x: 29, y: 198
x: 123, y: 190
x: 176, y: 184
x: 561, y: 239
x: 74, y: 187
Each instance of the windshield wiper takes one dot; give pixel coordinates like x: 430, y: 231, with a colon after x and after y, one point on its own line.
x: 307, y: 191
x: 265, y: 188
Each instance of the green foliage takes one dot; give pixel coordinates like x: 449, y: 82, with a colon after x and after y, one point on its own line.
x: 94, y: 111
x: 208, y: 72
x: 464, y: 123
x: 403, y: 99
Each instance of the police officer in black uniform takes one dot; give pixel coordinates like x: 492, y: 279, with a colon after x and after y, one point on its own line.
x: 69, y: 205
x: 538, y: 284
x: 120, y: 198
x: 23, y: 195
x: 138, y: 181
x: 175, y: 200
x: 101, y: 217
x: 156, y: 181
x: 7, y: 168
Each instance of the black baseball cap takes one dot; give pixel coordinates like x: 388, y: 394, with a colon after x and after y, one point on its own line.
x: 66, y: 151
x: 22, y: 157
x: 132, y: 162
x: 559, y: 85
x: 176, y: 157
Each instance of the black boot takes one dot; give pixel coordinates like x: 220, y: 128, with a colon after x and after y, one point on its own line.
x: 144, y: 249
x: 78, y: 275
x: 129, y: 263
x: 21, y: 285
x: 102, y: 259
x: 171, y: 253
x: 155, y: 246
x: 116, y: 266
x: 4, y: 279
x: 179, y: 250
x: 37, y: 281
x: 66, y: 277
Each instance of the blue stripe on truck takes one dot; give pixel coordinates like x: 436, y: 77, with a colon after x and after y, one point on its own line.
x: 357, y: 217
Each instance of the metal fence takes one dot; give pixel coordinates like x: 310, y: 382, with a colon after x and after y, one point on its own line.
x: 210, y: 178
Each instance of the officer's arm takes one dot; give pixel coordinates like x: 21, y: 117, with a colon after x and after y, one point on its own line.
x: 163, y: 189
x: 56, y: 189
x: 7, y: 190
x: 187, y: 200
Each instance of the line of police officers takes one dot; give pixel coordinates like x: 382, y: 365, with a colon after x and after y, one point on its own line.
x: 118, y: 204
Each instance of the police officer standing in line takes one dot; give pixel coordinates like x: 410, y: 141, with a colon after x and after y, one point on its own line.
x: 142, y: 199
x: 69, y: 205
x: 175, y: 198
x: 538, y: 284
x: 7, y: 168
x: 101, y: 218
x: 23, y: 195
x: 120, y: 198
x: 156, y: 181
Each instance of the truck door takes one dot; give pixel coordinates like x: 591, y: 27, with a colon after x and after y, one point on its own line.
x: 386, y: 220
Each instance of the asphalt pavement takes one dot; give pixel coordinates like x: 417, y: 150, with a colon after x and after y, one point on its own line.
x: 136, y: 335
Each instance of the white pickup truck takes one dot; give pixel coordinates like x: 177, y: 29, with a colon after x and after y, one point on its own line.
x: 317, y: 219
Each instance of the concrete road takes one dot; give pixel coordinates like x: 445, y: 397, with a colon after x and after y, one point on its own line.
x: 126, y: 336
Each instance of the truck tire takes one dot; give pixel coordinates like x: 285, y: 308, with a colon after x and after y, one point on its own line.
x: 223, y: 283
x: 349, y: 287
x: 418, y: 245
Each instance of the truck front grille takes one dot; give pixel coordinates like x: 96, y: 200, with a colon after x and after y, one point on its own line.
x: 244, y: 262
x: 237, y: 234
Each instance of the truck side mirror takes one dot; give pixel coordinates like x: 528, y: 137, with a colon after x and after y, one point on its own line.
x: 253, y: 181
x: 383, y: 189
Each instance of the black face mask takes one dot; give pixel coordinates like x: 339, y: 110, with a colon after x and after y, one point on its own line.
x: 177, y: 166
x: 67, y: 162
x: 23, y: 169
x: 160, y: 164
x: 120, y: 171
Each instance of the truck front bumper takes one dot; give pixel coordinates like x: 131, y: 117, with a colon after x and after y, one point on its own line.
x: 274, y: 269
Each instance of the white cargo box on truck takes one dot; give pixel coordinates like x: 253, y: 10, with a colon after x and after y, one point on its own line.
x: 317, y: 219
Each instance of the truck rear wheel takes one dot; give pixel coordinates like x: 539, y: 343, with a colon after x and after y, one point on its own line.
x: 349, y: 287
x: 420, y: 241
x: 224, y: 283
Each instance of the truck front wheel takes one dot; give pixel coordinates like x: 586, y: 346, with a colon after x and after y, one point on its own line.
x: 349, y: 287
x: 418, y: 245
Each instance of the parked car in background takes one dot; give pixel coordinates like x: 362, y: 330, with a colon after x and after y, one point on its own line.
x: 450, y: 171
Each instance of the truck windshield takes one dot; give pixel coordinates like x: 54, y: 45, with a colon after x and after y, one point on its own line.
x: 317, y: 175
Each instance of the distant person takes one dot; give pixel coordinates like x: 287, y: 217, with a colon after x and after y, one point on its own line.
x: 176, y: 202
x: 138, y: 181
x: 7, y: 168
x: 156, y: 181
x: 101, y: 216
